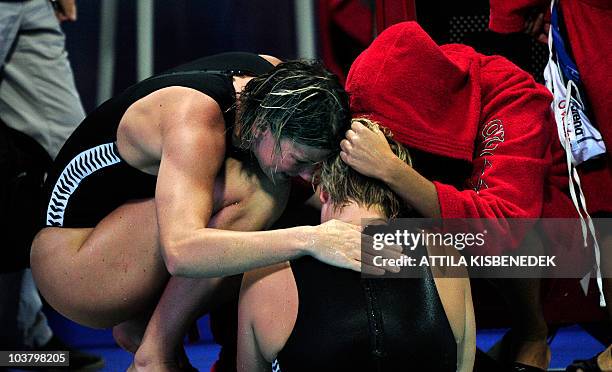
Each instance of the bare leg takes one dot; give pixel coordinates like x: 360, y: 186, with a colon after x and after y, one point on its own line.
x: 180, y: 305
x: 527, y: 342
x: 112, y: 274
x: 118, y: 274
x: 103, y: 276
x: 128, y: 335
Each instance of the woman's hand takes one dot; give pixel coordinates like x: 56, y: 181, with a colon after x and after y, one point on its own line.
x: 366, y: 151
x: 339, y: 244
x: 537, y: 25
x: 65, y: 10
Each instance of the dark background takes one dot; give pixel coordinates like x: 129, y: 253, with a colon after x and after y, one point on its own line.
x: 184, y: 30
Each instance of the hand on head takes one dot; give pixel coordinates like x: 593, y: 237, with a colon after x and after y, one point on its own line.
x: 350, y: 195
x: 339, y: 244
x: 366, y: 150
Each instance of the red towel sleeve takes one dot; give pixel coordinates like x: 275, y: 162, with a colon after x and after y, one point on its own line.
x: 512, y: 154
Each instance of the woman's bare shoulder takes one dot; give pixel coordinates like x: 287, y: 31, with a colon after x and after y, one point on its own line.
x: 180, y: 103
x: 273, y: 60
x: 266, y: 278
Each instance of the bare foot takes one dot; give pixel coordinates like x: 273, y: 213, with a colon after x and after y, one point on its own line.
x: 156, y: 361
x: 533, y: 353
x: 529, y: 350
x: 128, y: 335
x: 154, y: 367
x: 604, y: 360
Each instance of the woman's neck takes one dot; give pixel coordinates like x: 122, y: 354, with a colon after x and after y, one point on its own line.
x: 355, y: 214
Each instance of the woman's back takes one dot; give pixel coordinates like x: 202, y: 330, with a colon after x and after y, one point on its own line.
x: 91, y: 176
x: 345, y: 322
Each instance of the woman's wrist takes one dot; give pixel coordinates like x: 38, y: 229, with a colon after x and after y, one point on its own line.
x: 305, y: 240
x: 391, y: 169
x: 416, y: 190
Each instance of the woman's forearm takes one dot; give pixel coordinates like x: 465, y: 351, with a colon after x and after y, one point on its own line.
x: 212, y: 252
x: 414, y: 189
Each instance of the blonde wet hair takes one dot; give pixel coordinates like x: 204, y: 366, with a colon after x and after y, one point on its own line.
x: 345, y: 185
x: 297, y: 100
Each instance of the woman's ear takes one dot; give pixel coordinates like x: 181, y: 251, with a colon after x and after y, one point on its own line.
x: 323, y: 195
x: 326, y: 207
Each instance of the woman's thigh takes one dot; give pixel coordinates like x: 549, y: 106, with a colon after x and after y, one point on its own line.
x: 104, y: 275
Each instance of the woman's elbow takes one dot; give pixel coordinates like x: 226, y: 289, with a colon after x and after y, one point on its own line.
x: 180, y: 261
x: 173, y: 259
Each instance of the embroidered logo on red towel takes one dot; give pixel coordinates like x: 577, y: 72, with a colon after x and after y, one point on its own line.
x: 492, y: 135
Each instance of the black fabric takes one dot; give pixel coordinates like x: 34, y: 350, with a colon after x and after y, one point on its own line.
x: 224, y: 319
x: 484, y: 363
x: 106, y: 189
x: 23, y: 163
x: 224, y: 328
x: 233, y: 63
x: 346, y: 323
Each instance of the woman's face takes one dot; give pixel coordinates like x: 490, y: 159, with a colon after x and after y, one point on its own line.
x: 293, y: 159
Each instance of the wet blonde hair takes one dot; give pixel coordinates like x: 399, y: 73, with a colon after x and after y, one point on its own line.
x: 297, y: 100
x: 345, y: 185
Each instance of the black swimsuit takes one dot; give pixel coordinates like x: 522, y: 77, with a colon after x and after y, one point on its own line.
x: 346, y: 323
x: 89, y: 179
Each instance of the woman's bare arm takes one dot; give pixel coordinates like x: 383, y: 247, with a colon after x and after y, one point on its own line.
x: 453, y: 285
x: 466, y: 350
x: 193, y: 151
x: 273, y: 60
x: 267, y: 312
x: 249, y: 358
